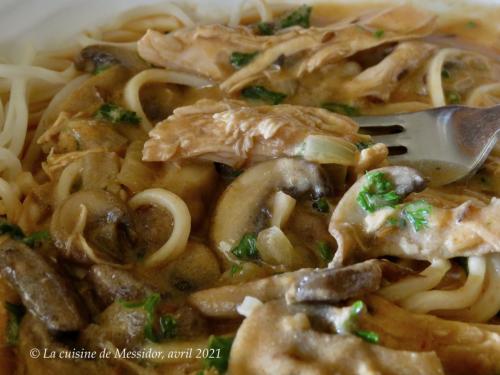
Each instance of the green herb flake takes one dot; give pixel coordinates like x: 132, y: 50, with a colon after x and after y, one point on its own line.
x: 101, y: 68
x: 445, y: 74
x: 265, y: 28
x: 299, y: 17
x: 247, y: 248
x: 262, y: 94
x: 15, y: 314
x: 235, y: 268
x: 321, y: 205
x: 221, y: 346
x: 471, y: 25
x: 357, y: 308
x: 240, y: 59
x: 378, y: 192
x: 117, y: 115
x: 343, y: 109
x: 168, y: 327
x: 368, y: 336
x: 417, y: 213
x: 453, y: 97
x: 325, y: 251
x: 378, y: 33
x: 13, y: 230
x: 35, y: 238
x: 149, y: 306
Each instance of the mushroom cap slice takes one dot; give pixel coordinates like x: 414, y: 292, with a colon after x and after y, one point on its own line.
x: 93, y: 226
x: 240, y: 208
x: 99, y: 56
x: 347, y: 224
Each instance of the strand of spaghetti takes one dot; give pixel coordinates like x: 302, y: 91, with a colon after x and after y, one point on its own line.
x: 10, y: 166
x: 434, y: 74
x: 460, y: 298
x: 488, y: 304
x: 17, y: 71
x: 133, y: 87
x: 85, y: 41
x: 426, y: 280
x: 163, y: 23
x: 153, y: 10
x: 33, y: 151
x: 10, y: 201
x: 475, y: 96
x: 181, y: 217
x: 265, y: 12
x: 67, y: 179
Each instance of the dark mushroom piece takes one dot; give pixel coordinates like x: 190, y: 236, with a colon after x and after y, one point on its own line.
x: 93, y: 226
x: 112, y: 284
x: 95, y: 57
x: 44, y: 292
x: 334, y: 285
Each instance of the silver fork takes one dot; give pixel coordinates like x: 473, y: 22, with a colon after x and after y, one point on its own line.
x: 446, y: 144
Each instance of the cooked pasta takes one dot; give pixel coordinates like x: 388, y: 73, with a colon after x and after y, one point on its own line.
x: 198, y: 198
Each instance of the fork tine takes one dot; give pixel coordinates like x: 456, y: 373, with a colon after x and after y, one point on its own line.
x: 389, y: 139
x: 369, y: 121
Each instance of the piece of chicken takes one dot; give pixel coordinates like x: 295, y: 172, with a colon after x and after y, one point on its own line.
x: 380, y: 80
x: 206, y: 50
x: 275, y: 339
x: 232, y: 133
x: 467, y: 230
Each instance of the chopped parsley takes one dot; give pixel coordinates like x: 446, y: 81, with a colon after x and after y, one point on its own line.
x: 117, y: 115
x: 265, y: 28
x: 417, y: 213
x: 235, y: 268
x: 168, y: 327
x: 321, y: 205
x: 362, y: 145
x: 35, y: 238
x: 471, y: 25
x: 262, y: 94
x: 247, y: 248
x: 149, y: 306
x: 343, y: 109
x: 356, y: 310
x: 299, y: 17
x: 15, y: 314
x: 99, y: 68
x: 378, y: 33
x: 453, y: 97
x: 368, y: 336
x: 16, y: 233
x: 378, y: 192
x: 396, y: 222
x: 445, y: 74
x: 325, y: 251
x: 13, y: 230
x: 240, y: 59
x: 221, y: 347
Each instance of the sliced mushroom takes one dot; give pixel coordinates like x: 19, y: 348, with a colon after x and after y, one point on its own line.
x: 112, y: 284
x: 336, y: 285
x: 97, y: 57
x: 93, y: 226
x: 347, y: 224
x: 43, y: 291
x: 240, y: 209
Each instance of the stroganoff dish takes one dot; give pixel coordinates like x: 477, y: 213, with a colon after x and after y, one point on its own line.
x: 170, y: 185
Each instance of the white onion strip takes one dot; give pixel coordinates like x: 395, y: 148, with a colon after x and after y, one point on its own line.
x: 177, y: 241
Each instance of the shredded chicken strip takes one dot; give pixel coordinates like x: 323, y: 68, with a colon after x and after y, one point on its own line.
x: 380, y: 80
x: 205, y: 50
x: 234, y: 134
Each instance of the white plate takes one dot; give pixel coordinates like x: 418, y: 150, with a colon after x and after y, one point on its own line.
x: 45, y: 22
